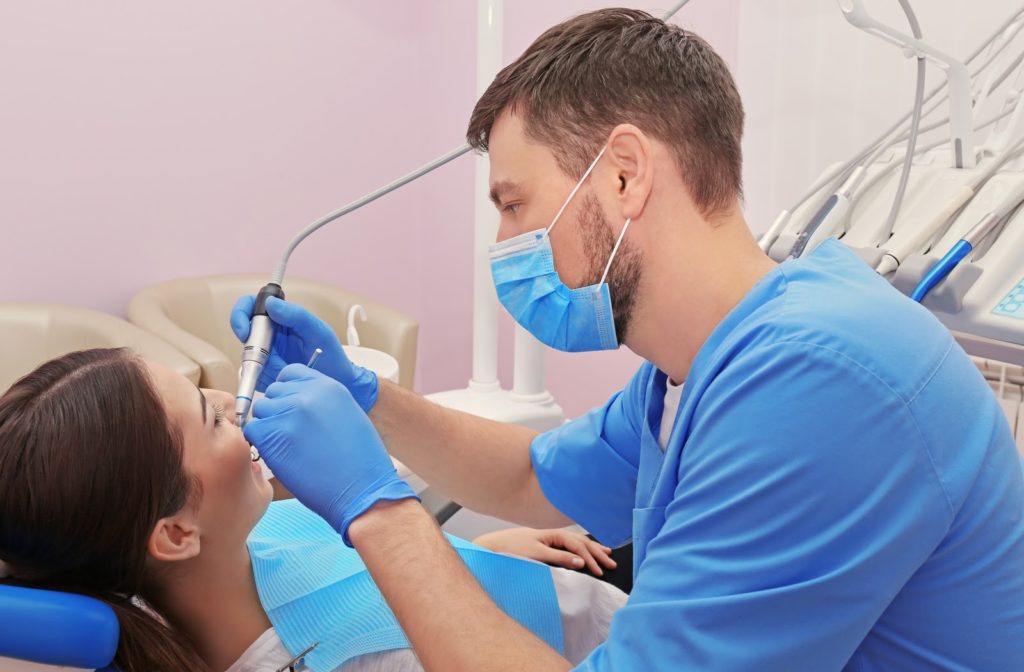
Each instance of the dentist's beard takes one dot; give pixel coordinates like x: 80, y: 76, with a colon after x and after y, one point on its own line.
x: 624, y: 275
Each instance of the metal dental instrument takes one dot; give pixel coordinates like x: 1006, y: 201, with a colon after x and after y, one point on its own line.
x: 311, y: 363
x: 312, y: 360
x: 296, y: 664
x: 261, y: 335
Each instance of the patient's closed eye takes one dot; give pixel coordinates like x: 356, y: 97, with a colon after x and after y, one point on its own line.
x: 218, y: 414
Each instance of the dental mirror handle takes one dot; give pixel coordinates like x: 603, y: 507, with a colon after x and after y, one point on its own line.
x: 255, y: 352
x: 312, y: 360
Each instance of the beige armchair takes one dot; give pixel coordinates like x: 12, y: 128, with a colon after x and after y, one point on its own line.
x: 192, y: 314
x: 34, y: 333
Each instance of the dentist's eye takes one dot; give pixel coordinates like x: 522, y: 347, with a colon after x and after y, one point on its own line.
x: 511, y: 208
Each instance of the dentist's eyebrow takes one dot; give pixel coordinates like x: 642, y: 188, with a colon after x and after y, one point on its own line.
x: 503, y: 188
x: 202, y: 403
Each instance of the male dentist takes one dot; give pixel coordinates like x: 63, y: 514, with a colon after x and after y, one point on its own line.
x: 834, y: 487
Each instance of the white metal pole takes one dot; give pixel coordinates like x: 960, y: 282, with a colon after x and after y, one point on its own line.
x: 528, y: 374
x: 485, y: 301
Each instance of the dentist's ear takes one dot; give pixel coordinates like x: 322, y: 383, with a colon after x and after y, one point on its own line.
x: 174, y: 538
x: 630, y: 154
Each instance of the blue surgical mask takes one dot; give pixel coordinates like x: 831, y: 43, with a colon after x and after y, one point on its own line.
x: 570, y: 320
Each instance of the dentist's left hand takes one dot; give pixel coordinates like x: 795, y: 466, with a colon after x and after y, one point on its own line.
x: 323, y: 447
x: 298, y: 333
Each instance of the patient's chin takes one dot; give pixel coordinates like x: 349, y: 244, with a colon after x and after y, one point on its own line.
x: 263, y: 485
x: 259, y: 503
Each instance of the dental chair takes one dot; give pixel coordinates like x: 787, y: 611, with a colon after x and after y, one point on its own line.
x: 40, y: 625
x: 192, y: 314
x: 34, y: 333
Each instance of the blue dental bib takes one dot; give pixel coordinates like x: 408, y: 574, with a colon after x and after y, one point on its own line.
x: 315, y: 589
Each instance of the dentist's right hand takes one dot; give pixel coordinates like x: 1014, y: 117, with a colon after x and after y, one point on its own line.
x: 323, y: 448
x: 297, y: 334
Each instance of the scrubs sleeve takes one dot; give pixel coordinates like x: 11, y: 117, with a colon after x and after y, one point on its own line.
x: 806, y: 499
x: 587, y: 467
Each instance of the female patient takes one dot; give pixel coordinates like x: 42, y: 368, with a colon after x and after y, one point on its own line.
x: 120, y: 480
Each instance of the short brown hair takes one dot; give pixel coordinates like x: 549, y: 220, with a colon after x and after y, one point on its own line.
x: 583, y: 77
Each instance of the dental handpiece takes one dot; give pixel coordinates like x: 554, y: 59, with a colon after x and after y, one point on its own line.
x: 255, y: 352
x: 963, y: 247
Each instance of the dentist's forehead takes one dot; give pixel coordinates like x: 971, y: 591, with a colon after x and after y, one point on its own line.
x: 516, y: 160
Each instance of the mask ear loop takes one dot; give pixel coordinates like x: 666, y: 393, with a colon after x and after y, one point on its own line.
x: 576, y: 188
x: 615, y: 250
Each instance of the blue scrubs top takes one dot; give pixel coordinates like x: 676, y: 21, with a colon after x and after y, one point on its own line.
x: 840, y: 491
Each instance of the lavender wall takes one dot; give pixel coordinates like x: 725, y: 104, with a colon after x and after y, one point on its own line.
x: 147, y: 141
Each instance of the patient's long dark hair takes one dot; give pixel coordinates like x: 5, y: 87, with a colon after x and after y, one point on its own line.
x: 88, y: 464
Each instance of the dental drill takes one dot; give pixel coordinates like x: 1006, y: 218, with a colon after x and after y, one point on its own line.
x: 256, y: 351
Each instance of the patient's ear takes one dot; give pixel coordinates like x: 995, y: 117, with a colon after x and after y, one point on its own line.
x: 174, y: 538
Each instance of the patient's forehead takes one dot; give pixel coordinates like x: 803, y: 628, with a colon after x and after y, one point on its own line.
x: 179, y: 396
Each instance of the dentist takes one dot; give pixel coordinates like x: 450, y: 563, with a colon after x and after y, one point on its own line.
x: 834, y: 487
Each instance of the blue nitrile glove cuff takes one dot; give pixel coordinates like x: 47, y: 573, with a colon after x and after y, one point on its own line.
x: 321, y: 445
x: 388, y: 488
x: 364, y: 387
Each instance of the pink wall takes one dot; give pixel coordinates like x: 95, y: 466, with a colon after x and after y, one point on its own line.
x: 146, y: 141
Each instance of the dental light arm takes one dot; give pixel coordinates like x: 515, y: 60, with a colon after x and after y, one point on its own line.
x: 835, y: 213
x: 1004, y: 33
x: 915, y: 125
x: 960, y: 100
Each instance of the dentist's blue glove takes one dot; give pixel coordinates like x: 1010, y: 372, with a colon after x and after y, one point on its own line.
x: 297, y: 334
x: 323, y: 448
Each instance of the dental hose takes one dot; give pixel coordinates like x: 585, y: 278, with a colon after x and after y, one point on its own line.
x: 257, y: 347
x: 915, y: 124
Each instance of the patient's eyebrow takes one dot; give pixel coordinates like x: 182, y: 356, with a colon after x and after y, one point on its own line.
x: 202, y: 403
